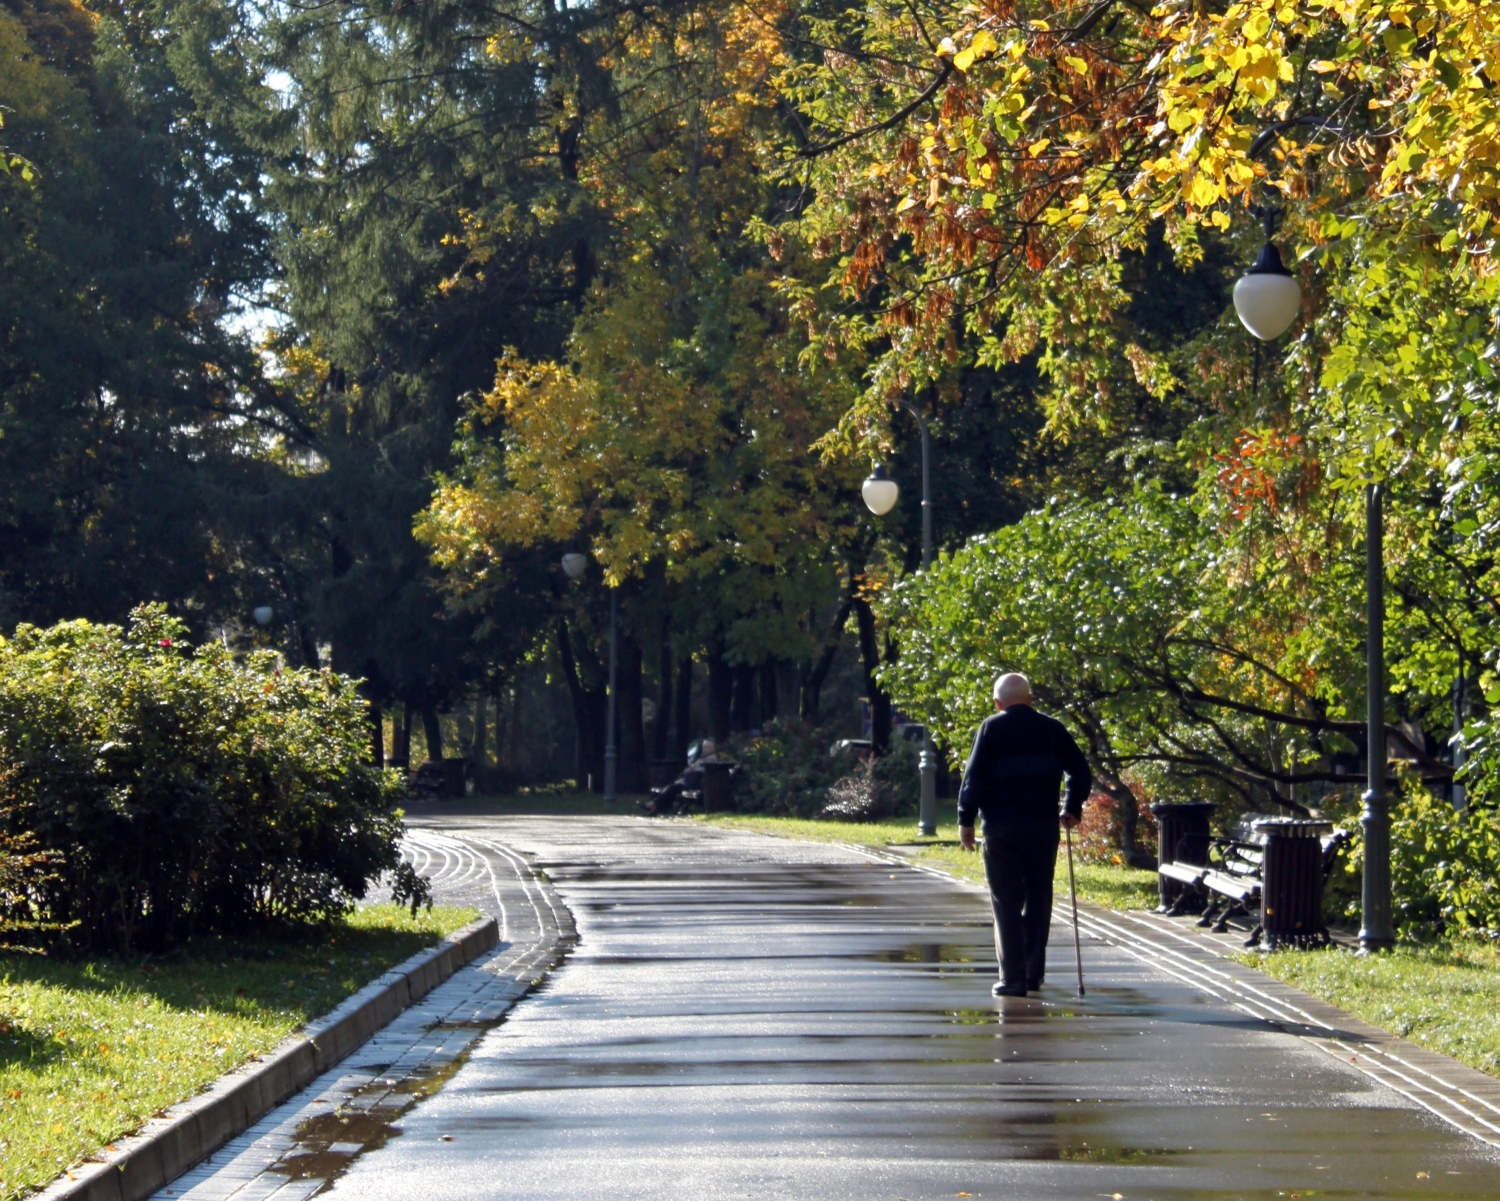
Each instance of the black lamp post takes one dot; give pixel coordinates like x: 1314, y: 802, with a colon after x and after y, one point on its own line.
x: 1267, y: 300
x: 880, y: 493
x: 574, y: 565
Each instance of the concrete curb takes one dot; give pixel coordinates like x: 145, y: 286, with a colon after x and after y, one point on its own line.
x: 167, y: 1146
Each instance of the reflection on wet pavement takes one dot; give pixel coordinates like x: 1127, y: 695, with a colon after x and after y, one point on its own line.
x: 749, y: 1017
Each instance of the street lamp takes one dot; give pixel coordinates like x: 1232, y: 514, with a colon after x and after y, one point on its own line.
x: 1267, y: 300
x: 574, y: 565
x: 1267, y: 297
x: 880, y: 493
x: 262, y: 614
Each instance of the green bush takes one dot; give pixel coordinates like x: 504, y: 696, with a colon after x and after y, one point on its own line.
x: 787, y: 770
x: 1445, y: 865
x: 178, y: 792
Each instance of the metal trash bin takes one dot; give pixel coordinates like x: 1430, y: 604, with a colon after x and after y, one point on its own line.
x: 1291, y: 891
x: 1182, y: 836
x: 455, y: 777
x: 718, y: 788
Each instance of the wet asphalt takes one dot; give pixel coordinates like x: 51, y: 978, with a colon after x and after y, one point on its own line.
x: 751, y: 1017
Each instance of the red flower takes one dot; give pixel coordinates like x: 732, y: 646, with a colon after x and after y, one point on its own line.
x: 165, y: 642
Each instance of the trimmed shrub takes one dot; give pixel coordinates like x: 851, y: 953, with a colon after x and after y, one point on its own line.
x: 176, y: 791
x: 861, y: 796
x: 787, y: 770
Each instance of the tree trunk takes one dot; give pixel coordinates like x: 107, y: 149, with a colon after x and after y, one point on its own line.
x: 743, y: 704
x: 588, y: 717
x: 477, y: 749
x: 767, y: 693
x: 377, y: 735
x: 403, y: 736
x: 661, y: 730
x: 720, y: 696
x: 880, y: 701
x: 631, y: 766
x: 812, y: 681
x: 432, y: 731
x: 683, y: 707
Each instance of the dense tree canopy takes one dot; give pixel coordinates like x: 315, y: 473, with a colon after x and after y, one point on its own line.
x: 646, y: 282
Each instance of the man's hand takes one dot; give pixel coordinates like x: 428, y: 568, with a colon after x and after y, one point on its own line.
x: 966, y: 837
x: 1071, y: 821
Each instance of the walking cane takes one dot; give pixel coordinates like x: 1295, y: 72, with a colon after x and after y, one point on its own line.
x: 1073, y: 894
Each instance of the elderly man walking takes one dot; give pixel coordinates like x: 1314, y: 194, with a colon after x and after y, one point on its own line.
x: 1013, y: 777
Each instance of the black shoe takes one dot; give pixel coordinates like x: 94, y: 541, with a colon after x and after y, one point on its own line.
x: 1008, y: 990
x: 1033, y: 986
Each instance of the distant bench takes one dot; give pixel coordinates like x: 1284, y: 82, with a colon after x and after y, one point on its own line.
x: 1233, y: 882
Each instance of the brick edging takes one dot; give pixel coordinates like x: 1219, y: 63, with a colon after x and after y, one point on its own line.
x: 169, y: 1145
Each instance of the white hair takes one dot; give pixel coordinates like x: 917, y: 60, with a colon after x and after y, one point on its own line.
x: 1012, y: 688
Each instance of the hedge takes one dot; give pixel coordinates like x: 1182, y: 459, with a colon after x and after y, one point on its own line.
x: 163, y: 791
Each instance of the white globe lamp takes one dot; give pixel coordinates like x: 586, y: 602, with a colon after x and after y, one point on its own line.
x: 1267, y: 297
x: 880, y: 492
x: 262, y: 614
x: 575, y: 564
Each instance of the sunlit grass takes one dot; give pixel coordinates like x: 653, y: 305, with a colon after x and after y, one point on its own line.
x: 1115, y: 887
x: 89, y: 1050
x: 1444, y: 995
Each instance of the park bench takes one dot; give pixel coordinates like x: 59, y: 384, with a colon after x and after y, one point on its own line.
x: 716, y: 794
x: 1232, y: 883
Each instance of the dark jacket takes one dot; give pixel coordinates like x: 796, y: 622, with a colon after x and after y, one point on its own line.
x: 1016, y: 769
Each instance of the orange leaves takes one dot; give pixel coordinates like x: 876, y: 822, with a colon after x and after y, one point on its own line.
x: 1268, y: 470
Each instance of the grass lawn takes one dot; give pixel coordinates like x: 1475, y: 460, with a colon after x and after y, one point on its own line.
x: 1445, y: 995
x: 89, y: 1050
x: 1102, y: 883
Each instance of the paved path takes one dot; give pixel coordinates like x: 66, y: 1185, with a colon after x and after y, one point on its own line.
x: 751, y: 1017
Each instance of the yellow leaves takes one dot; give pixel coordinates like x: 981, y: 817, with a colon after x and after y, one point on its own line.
x: 982, y: 46
x: 1202, y: 191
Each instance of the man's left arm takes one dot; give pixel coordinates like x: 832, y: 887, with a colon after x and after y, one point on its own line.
x: 1080, y: 779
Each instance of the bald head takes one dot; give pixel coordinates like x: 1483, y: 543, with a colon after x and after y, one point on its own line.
x: 1012, y: 689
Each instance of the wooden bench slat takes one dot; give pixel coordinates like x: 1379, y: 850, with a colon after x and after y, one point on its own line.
x: 1229, y: 886
x: 1186, y: 873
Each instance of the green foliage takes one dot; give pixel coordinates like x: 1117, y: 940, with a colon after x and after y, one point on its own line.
x: 787, y: 770
x: 123, y: 397
x: 1179, y: 666
x: 1445, y: 865
x: 182, y: 792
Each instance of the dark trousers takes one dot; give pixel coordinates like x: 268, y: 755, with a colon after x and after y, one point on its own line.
x: 1019, y: 862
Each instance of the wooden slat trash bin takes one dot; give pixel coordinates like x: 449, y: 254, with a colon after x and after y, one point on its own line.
x: 1182, y: 844
x: 1291, y: 891
x: 718, y: 788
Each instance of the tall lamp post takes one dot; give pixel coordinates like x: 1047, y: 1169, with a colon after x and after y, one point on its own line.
x: 1267, y: 299
x: 574, y: 565
x: 880, y: 493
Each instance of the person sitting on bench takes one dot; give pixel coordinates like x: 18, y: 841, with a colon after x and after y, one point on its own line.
x: 664, y: 800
